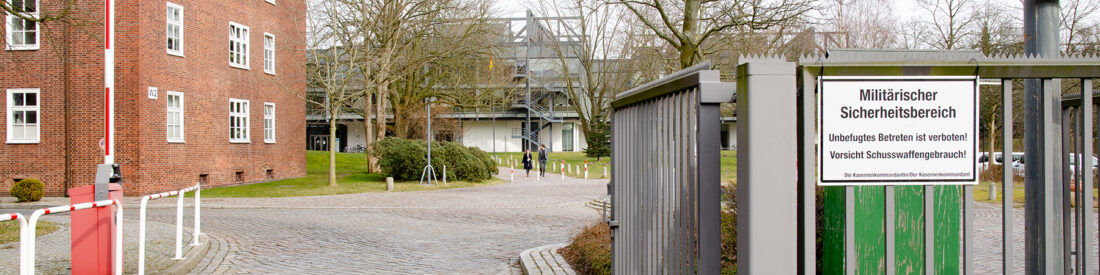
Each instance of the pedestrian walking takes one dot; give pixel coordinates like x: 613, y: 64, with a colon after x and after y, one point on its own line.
x: 543, y: 157
x: 527, y: 162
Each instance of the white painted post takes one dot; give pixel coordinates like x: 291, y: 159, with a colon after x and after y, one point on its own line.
x: 513, y: 173
x: 389, y: 184
x: 444, y: 175
x: 198, y: 213
x: 179, y: 227
x: 585, y: 169
x: 605, y: 171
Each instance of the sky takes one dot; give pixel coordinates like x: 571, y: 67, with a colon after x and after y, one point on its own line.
x: 903, y: 9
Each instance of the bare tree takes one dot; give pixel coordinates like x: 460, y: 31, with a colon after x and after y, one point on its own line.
x: 687, y: 24
x: 591, y: 53
x: 1079, y: 25
x: 951, y: 22
x: 868, y: 23
x: 333, y: 56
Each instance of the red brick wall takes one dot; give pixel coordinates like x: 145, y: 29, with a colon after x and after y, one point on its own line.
x: 151, y: 164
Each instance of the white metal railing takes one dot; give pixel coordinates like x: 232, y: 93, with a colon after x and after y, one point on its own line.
x: 28, y: 236
x: 179, y: 222
x: 22, y: 231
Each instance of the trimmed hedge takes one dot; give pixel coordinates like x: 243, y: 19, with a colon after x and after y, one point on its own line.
x: 28, y: 190
x: 404, y: 160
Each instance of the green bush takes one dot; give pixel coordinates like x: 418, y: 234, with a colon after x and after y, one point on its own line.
x: 404, y: 160
x: 28, y: 190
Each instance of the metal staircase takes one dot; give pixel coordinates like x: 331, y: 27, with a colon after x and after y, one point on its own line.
x: 539, y: 116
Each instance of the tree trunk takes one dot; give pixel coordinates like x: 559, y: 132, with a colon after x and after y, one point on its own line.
x: 689, y: 44
x: 368, y: 128
x: 332, y: 149
x: 380, y: 114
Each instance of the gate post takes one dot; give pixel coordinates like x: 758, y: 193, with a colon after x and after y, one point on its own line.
x: 766, y: 167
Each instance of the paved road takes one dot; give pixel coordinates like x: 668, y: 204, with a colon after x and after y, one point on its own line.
x: 988, y: 246
x: 478, y: 230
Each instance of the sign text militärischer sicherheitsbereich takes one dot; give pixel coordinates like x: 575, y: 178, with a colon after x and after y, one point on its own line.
x: 897, y: 130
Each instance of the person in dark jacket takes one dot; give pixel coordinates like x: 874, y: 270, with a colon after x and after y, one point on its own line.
x: 527, y: 162
x: 543, y: 157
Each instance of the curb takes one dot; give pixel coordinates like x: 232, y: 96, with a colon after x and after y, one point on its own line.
x: 545, y: 260
x: 192, y: 259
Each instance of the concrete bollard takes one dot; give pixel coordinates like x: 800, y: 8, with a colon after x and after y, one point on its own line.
x: 513, y: 173
x: 389, y: 184
x: 605, y: 171
x: 444, y: 175
x: 993, y: 191
x: 585, y: 169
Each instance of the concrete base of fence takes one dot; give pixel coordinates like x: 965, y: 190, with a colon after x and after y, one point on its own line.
x: 545, y: 260
x: 389, y: 184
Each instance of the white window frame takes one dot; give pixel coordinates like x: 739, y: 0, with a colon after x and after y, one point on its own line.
x: 269, y: 54
x: 168, y: 119
x: 9, y: 30
x: 241, y: 114
x: 242, y: 45
x: 269, y: 123
x: 168, y: 25
x: 10, y: 121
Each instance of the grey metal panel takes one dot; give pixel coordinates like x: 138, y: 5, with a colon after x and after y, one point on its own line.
x: 1006, y: 173
x: 1052, y: 99
x: 807, y: 163
x: 968, y: 229
x: 710, y: 193
x: 849, y: 230
x: 929, y: 230
x: 766, y: 191
x: 890, y: 225
x: 1087, y: 178
x: 1062, y: 215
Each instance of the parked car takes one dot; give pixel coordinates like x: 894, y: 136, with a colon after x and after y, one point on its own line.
x: 998, y: 159
x: 1019, y: 166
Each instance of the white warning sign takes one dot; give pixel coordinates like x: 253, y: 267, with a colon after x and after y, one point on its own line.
x: 897, y: 130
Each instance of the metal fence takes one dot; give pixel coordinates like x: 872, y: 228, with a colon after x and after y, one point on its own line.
x: 1058, y: 234
x: 665, y: 193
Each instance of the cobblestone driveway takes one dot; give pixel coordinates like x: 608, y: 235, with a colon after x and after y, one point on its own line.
x: 478, y: 230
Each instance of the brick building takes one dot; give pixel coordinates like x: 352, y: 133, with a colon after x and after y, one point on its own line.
x: 214, y: 119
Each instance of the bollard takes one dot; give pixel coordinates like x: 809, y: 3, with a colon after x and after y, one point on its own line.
x: 586, y: 169
x: 389, y: 184
x: 513, y: 173
x: 605, y: 171
x: 992, y: 191
x: 444, y: 175
x: 563, y: 172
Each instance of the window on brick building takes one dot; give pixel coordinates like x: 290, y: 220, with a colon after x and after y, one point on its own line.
x: 175, y: 117
x: 238, y: 120
x: 269, y: 122
x: 269, y: 53
x: 174, y: 29
x: 23, y: 116
x: 238, y: 45
x: 22, y: 34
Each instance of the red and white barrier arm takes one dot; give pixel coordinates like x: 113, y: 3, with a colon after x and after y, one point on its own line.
x: 30, y: 236
x: 22, y: 238
x: 179, y: 222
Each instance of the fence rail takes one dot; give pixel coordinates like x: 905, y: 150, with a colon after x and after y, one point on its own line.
x: 179, y: 222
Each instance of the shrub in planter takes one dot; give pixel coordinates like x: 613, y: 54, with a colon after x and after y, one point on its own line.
x: 28, y: 190
x: 590, y: 252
